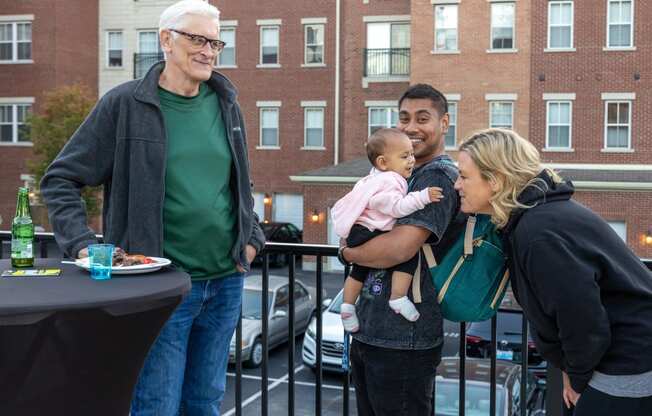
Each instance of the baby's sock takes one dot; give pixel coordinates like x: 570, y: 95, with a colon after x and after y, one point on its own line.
x: 349, y: 317
x: 405, y: 307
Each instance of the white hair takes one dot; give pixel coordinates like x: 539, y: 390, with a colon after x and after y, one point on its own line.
x: 172, y: 17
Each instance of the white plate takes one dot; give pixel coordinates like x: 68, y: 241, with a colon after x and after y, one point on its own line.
x: 139, y: 268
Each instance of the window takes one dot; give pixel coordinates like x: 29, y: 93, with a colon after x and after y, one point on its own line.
x: 15, y: 42
x: 269, y: 38
x: 446, y: 27
x: 288, y: 208
x: 269, y: 127
x: 227, y: 56
x: 617, y: 125
x: 560, y: 25
x: 620, y: 17
x: 12, y: 123
x: 502, y: 25
x: 259, y: 205
x: 388, y: 49
x: 314, y: 38
x: 558, y: 135
x: 114, y: 49
x: 382, y: 117
x: 314, y: 127
x: 451, y: 135
x: 149, y: 52
x: 501, y: 114
x: 620, y: 227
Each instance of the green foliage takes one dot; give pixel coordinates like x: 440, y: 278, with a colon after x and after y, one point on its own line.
x: 63, y: 111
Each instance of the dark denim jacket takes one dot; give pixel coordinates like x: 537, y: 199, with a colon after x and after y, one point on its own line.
x: 122, y: 145
x: 379, y: 325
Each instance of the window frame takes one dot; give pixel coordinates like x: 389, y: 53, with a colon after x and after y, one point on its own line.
x: 261, y: 127
x: 108, y: 50
x: 388, y: 117
x: 262, y: 28
x: 14, y: 42
x: 572, y: 25
x: 491, y: 26
x: 234, y: 47
x: 570, y: 125
x: 607, y: 125
x: 305, y: 45
x: 491, y: 115
x: 457, y: 29
x: 452, y: 104
x: 305, y: 127
x: 15, y: 124
x: 631, y: 24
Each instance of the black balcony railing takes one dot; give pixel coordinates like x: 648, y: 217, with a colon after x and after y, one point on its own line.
x: 386, y: 62
x: 46, y: 246
x: 144, y: 61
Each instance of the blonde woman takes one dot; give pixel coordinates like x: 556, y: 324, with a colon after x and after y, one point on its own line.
x: 587, y: 297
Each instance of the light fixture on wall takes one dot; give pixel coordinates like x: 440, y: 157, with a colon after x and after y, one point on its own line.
x: 267, y: 199
x: 647, y: 237
x: 314, y: 217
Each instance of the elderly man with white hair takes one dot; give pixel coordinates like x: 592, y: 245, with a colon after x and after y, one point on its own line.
x: 170, y: 150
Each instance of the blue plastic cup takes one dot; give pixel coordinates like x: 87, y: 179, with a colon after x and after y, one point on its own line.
x: 100, y: 258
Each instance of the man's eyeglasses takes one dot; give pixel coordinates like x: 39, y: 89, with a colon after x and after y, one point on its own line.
x: 199, y: 41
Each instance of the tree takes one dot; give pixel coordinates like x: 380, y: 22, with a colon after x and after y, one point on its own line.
x: 63, y: 111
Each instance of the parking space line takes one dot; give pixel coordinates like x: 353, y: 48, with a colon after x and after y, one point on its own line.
x: 259, y: 393
x: 300, y: 383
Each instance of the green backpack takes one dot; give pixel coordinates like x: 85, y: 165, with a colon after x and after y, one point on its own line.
x: 472, y: 276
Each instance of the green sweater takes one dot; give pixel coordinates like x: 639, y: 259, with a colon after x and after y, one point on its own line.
x: 198, y: 211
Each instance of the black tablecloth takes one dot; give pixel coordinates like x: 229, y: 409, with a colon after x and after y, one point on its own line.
x: 73, y: 345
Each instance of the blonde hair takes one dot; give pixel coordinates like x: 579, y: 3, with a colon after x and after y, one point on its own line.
x: 511, y: 162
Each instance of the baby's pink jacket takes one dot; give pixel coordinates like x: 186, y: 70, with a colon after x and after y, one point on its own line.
x: 375, y: 202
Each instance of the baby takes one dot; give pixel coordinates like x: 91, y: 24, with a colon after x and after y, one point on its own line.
x: 372, y: 208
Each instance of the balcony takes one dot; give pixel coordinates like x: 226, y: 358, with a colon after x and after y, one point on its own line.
x: 382, y: 63
x: 144, y: 61
x: 45, y: 246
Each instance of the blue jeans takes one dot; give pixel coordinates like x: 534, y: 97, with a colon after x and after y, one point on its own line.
x: 186, y: 366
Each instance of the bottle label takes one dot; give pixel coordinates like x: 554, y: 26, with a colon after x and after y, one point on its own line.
x: 22, y: 248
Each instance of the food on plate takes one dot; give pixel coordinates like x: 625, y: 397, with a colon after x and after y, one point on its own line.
x: 121, y: 258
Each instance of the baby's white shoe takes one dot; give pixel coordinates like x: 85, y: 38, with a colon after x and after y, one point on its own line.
x: 349, y: 318
x: 405, y: 307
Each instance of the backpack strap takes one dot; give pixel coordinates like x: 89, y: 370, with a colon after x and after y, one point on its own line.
x: 468, y: 235
x: 416, y: 282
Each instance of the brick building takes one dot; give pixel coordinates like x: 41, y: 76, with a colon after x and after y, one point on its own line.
x: 44, y: 44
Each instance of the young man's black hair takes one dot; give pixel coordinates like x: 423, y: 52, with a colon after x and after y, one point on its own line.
x: 417, y: 91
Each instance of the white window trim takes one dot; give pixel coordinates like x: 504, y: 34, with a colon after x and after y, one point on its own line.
x: 392, y: 19
x: 305, y: 46
x: 568, y: 148
x: 381, y: 103
x: 500, y: 102
x: 314, y: 21
x: 605, y: 147
x: 260, y: 104
x: 631, y: 46
x: 14, y: 103
x: 14, y: 38
x: 457, y: 113
x: 570, y: 48
x: 260, y: 48
x: 619, y: 96
x: 552, y: 96
x: 491, y: 30
x: 269, y: 22
x: 436, y: 51
x: 106, y: 52
x: 261, y: 108
x: 235, y: 50
x: 388, y: 114
x: 501, y: 97
x: 305, y: 127
x: 445, y: 2
x: 453, y: 97
x: 228, y: 23
x: 313, y: 103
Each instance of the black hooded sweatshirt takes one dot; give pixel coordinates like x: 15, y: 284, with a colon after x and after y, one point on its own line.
x: 587, y: 296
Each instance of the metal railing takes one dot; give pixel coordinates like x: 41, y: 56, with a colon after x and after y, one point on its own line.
x: 386, y: 62
x: 144, y: 61
x: 45, y: 241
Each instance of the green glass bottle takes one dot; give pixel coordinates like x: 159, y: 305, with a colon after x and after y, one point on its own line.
x: 22, y: 233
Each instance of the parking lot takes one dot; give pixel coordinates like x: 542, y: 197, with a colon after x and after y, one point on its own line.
x: 278, y: 369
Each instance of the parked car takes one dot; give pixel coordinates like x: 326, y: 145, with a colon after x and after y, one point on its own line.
x: 278, y: 298
x: 508, y: 341
x: 477, y: 396
x: 332, y: 345
x: 279, y: 232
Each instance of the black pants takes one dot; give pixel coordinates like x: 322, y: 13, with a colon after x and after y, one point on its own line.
x: 359, y: 235
x: 593, y: 402
x: 390, y: 382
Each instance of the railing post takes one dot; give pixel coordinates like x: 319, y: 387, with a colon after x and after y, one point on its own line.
x: 238, y: 366
x: 265, y: 328
x: 318, y: 335
x: 291, y: 345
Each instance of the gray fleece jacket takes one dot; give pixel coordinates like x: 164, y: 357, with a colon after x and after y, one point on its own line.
x: 122, y: 146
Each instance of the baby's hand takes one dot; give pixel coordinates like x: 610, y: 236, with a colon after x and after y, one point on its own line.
x: 435, y: 194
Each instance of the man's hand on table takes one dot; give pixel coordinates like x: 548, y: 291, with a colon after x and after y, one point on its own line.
x: 250, y: 252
